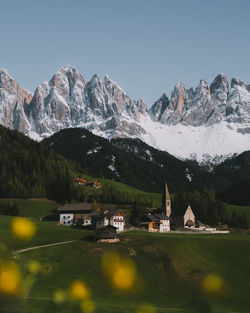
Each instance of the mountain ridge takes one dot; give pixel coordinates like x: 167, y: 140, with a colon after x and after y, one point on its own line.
x: 186, y: 124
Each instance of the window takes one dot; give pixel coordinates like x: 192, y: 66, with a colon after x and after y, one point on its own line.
x: 68, y: 216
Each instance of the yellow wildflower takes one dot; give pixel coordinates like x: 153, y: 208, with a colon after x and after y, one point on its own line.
x: 34, y: 267
x: 10, y: 279
x: 22, y: 228
x: 59, y: 296
x: 88, y: 306
x: 212, y: 283
x: 79, y: 291
x: 121, y: 272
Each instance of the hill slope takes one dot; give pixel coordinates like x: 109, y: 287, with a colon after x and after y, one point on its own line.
x: 130, y: 161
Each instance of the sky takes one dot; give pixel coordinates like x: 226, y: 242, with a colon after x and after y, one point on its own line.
x: 146, y: 46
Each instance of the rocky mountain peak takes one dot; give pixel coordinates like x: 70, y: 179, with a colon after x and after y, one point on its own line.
x: 13, y: 99
x: 236, y: 82
x: 203, y: 87
x: 66, y: 79
x: 178, y: 97
x: 220, y: 89
x: 159, y: 107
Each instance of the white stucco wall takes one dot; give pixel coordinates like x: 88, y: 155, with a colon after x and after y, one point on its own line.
x: 66, y: 219
x: 118, y: 221
x: 164, y: 226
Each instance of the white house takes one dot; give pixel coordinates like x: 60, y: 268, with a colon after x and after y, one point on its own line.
x: 156, y: 222
x: 70, y: 213
x: 66, y: 219
x: 109, y: 217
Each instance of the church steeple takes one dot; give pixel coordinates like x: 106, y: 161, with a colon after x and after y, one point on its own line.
x: 168, y: 201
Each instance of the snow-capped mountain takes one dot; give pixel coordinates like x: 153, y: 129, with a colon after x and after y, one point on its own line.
x: 12, y: 102
x: 211, y: 121
x: 68, y: 101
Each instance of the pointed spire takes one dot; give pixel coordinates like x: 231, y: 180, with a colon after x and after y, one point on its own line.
x: 167, y: 192
x: 167, y: 201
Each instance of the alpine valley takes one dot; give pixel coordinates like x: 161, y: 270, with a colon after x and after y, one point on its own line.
x: 208, y: 123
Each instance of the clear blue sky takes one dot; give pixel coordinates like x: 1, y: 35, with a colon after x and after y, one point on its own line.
x: 146, y: 46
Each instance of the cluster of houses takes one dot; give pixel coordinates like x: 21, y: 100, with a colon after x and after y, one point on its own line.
x: 109, y: 221
x: 85, y: 182
x: 106, y: 222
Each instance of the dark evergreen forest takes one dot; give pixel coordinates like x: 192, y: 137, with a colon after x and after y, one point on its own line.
x: 28, y: 169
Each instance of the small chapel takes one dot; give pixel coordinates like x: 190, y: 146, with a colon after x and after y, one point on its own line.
x: 189, y: 218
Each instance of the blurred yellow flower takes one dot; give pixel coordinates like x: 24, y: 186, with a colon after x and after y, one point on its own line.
x: 34, y: 267
x: 212, y: 283
x: 59, y: 296
x: 10, y: 279
x: 23, y: 228
x: 121, y: 272
x: 88, y: 306
x: 146, y: 308
x: 79, y: 290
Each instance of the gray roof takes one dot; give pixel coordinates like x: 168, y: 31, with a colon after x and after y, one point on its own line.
x: 75, y: 207
x: 162, y: 216
x: 156, y: 217
x: 105, y: 213
x: 152, y: 217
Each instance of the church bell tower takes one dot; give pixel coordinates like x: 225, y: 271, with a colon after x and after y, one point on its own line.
x: 168, y: 201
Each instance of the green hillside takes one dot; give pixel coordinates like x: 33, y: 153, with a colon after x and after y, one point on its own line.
x: 129, y: 161
x: 170, y: 271
x: 240, y: 210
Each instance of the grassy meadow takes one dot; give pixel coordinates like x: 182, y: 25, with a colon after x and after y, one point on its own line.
x: 170, y: 270
x: 239, y: 209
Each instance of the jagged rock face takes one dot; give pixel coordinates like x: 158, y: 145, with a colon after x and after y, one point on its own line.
x: 58, y: 103
x: 238, y: 104
x: 207, y: 105
x: 105, y: 109
x: 12, y: 101
x: 68, y: 101
x: 159, y: 107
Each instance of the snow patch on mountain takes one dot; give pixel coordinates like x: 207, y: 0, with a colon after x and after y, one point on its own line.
x: 185, y: 142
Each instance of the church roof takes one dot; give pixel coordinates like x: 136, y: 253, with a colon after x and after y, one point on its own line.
x: 167, y: 192
x: 189, y: 212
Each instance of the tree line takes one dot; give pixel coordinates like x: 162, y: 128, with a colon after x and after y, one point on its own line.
x: 207, y: 208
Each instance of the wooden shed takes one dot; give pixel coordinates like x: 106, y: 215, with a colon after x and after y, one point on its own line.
x: 107, y: 233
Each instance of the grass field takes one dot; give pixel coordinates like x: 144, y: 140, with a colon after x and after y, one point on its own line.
x: 34, y: 208
x: 170, y: 268
x: 240, y: 210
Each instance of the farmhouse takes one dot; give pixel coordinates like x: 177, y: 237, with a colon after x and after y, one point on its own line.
x: 80, y: 180
x: 111, y: 217
x: 91, y: 183
x: 156, y: 222
x: 107, y: 233
x: 75, y: 214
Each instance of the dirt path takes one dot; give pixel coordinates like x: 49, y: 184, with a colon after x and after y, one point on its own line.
x: 43, y: 246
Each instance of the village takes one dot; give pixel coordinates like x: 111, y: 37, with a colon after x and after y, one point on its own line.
x: 108, y: 221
